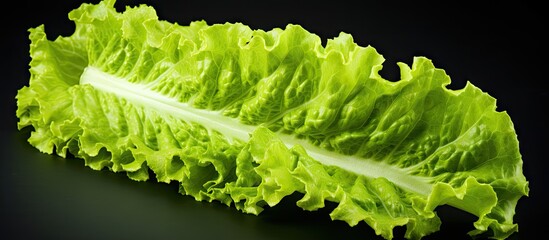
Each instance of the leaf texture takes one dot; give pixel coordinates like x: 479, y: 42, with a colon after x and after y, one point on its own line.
x: 247, y: 117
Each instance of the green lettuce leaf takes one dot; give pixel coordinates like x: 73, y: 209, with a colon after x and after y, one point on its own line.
x: 247, y: 117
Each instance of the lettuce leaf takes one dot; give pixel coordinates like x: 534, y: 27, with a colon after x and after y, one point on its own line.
x: 247, y: 117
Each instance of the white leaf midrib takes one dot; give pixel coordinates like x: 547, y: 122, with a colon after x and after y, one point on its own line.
x: 233, y: 129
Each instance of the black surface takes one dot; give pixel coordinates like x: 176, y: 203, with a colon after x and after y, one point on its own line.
x: 498, y: 47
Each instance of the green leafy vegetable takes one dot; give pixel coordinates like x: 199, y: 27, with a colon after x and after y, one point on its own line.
x: 247, y: 117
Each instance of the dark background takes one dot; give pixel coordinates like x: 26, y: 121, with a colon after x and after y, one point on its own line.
x: 499, y: 47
